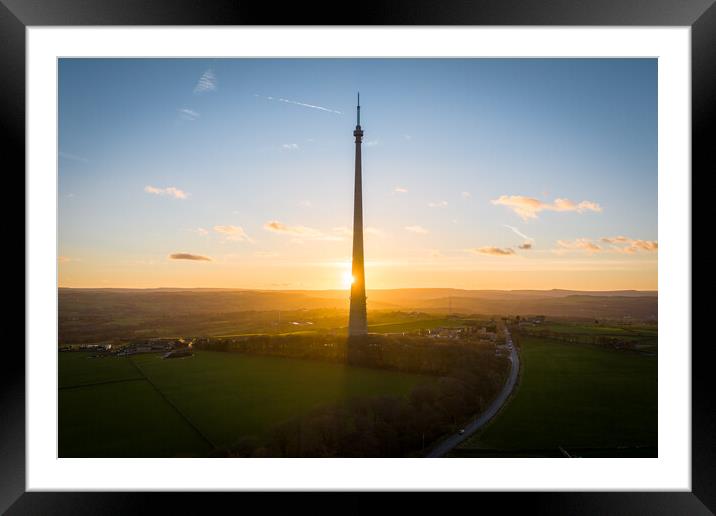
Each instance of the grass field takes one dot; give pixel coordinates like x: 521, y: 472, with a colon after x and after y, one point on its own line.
x: 641, y: 338
x: 594, y: 400
x: 148, y: 407
x: 77, y: 369
x: 583, y: 329
x: 420, y: 324
x: 600, y: 329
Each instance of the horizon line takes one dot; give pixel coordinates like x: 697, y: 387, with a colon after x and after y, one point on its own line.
x: 368, y: 289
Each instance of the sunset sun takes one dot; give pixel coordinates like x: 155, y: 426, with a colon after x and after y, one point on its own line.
x: 347, y: 279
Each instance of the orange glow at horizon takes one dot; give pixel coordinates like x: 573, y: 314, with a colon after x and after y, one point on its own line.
x: 636, y: 276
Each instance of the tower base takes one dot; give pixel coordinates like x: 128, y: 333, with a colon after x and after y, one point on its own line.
x: 357, y: 320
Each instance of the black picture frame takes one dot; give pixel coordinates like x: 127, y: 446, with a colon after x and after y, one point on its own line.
x: 16, y: 15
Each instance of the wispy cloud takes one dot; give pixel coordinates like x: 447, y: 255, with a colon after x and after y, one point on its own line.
x: 494, y: 251
x: 170, y: 191
x: 618, y: 244
x: 305, y: 204
x: 417, y: 229
x: 439, y: 204
x: 233, y: 233
x: 580, y: 244
x: 206, y: 83
x: 190, y: 257
x: 72, y: 157
x: 518, y: 232
x: 525, y: 246
x: 407, y: 137
x: 465, y: 195
x: 290, y: 146
x: 299, y: 232
x: 630, y: 245
x: 400, y: 189
x: 529, y: 207
x: 371, y: 143
x: 188, y: 114
x: 297, y: 103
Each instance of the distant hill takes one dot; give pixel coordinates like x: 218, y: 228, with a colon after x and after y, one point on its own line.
x: 92, y: 315
x: 638, y: 304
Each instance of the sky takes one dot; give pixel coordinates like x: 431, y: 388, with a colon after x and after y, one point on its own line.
x: 477, y: 173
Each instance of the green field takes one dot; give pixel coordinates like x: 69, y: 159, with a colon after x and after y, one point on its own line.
x: 638, y: 337
x: 590, y: 400
x: 148, y: 407
x: 599, y: 329
x: 77, y: 369
x: 413, y: 325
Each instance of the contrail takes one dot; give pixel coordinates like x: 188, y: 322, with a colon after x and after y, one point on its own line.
x: 296, y: 103
x: 518, y: 232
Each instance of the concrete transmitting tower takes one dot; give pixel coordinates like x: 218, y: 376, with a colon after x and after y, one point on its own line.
x: 357, y: 321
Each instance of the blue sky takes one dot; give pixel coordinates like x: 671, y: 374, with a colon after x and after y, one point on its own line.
x: 197, y: 157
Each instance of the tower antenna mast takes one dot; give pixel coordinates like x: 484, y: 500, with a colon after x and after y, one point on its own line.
x: 357, y: 323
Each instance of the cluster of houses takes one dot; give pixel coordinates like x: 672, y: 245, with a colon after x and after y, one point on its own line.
x: 484, y: 334
x: 102, y: 348
x: 530, y: 321
x: 446, y: 333
x: 171, y: 348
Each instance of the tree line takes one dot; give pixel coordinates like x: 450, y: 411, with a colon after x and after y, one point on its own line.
x: 461, y: 380
x: 606, y: 341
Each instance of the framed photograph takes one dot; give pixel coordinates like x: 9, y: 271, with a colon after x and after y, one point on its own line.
x: 445, y: 249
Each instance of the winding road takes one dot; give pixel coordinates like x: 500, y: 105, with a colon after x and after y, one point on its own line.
x: 451, y: 442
